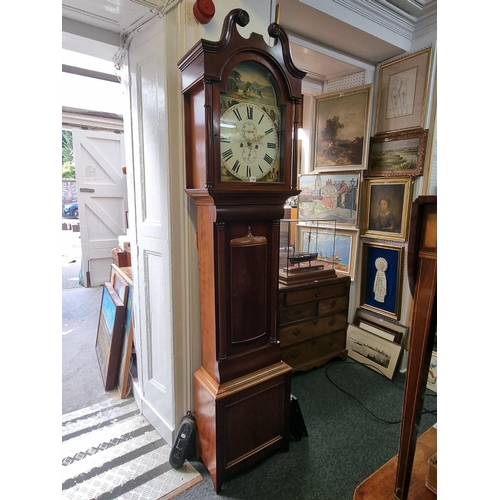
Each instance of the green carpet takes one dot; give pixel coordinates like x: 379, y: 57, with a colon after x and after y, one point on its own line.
x: 352, y: 415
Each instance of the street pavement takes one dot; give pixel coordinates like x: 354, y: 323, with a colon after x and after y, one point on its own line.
x: 82, y: 384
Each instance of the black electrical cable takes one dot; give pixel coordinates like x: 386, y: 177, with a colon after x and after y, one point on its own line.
x: 390, y: 422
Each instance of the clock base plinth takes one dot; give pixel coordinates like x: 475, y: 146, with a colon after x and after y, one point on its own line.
x: 241, y: 422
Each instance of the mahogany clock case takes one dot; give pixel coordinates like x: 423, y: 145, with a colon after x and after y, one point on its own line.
x: 207, y: 72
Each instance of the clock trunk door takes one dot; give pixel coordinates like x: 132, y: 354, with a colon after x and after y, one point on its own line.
x: 247, y: 297
x: 248, y: 288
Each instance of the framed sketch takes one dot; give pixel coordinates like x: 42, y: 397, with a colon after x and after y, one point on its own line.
x: 386, y: 203
x: 109, y: 335
x: 341, y: 137
x: 381, y: 279
x: 373, y: 351
x: 330, y: 197
x: 402, y: 92
x: 384, y: 327
x: 397, y: 154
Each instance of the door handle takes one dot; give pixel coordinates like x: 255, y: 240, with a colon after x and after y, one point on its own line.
x: 87, y: 190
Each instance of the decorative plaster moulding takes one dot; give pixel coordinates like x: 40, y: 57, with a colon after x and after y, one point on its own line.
x: 379, y: 18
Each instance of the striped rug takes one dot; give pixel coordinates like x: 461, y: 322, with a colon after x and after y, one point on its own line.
x: 110, y: 451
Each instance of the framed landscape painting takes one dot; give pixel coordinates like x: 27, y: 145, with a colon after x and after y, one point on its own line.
x: 329, y: 197
x: 341, y: 129
x: 402, y: 92
x: 397, y: 154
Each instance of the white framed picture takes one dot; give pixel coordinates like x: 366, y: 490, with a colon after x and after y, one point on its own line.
x: 373, y: 351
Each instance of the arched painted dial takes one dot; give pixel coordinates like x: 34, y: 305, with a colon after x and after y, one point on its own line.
x: 248, y: 141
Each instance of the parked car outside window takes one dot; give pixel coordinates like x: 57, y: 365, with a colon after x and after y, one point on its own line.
x: 70, y: 210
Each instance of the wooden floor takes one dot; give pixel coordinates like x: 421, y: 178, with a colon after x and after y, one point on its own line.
x: 380, y: 485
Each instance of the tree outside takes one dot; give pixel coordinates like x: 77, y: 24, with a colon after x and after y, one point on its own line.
x: 68, y: 163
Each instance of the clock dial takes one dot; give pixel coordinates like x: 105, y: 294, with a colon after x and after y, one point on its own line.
x: 249, y: 142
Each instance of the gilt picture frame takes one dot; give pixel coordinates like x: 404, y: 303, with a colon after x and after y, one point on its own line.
x: 386, y: 205
x: 341, y: 129
x: 403, y: 88
x: 381, y: 278
x: 397, y: 154
x: 379, y: 354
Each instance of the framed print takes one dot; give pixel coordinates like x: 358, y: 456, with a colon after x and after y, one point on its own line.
x: 373, y: 351
x: 109, y: 335
x: 402, y: 92
x: 341, y: 137
x: 330, y: 197
x: 381, y: 279
x: 386, y: 203
x: 397, y: 154
x: 384, y: 327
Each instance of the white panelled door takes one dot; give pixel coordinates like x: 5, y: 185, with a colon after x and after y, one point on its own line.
x: 102, y: 199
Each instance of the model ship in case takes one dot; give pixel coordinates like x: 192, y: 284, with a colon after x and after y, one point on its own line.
x: 307, y: 251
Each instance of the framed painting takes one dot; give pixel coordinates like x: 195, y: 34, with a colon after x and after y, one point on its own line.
x: 335, y: 247
x: 397, y: 153
x: 123, y: 381
x: 386, y: 203
x: 402, y: 92
x: 329, y: 197
x: 381, y: 279
x: 373, y: 351
x: 109, y: 335
x: 383, y: 327
x: 341, y: 137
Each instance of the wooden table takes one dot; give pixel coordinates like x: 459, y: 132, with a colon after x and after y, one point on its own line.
x: 380, y: 485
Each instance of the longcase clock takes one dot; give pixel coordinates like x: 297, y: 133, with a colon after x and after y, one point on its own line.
x: 242, y: 101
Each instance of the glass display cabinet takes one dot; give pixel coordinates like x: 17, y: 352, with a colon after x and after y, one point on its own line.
x: 307, y: 250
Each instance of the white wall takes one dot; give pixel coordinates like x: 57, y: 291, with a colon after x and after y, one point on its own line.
x: 167, y: 323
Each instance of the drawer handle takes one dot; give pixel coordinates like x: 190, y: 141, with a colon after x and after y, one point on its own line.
x: 333, y: 303
x: 315, y: 323
x: 298, y: 310
x: 331, y: 322
x: 332, y: 342
x: 295, y: 354
x: 296, y: 331
x: 317, y: 294
x: 314, y: 342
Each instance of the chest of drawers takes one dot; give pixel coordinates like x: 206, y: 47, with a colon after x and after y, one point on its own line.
x: 312, y: 322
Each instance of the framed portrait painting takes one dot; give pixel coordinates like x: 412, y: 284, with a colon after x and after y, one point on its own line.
x: 386, y: 203
x: 329, y: 197
x: 398, y: 153
x: 341, y: 138
x: 381, y: 279
x: 402, y: 92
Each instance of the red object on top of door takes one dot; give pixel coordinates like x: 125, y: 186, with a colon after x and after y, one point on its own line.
x: 204, y: 11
